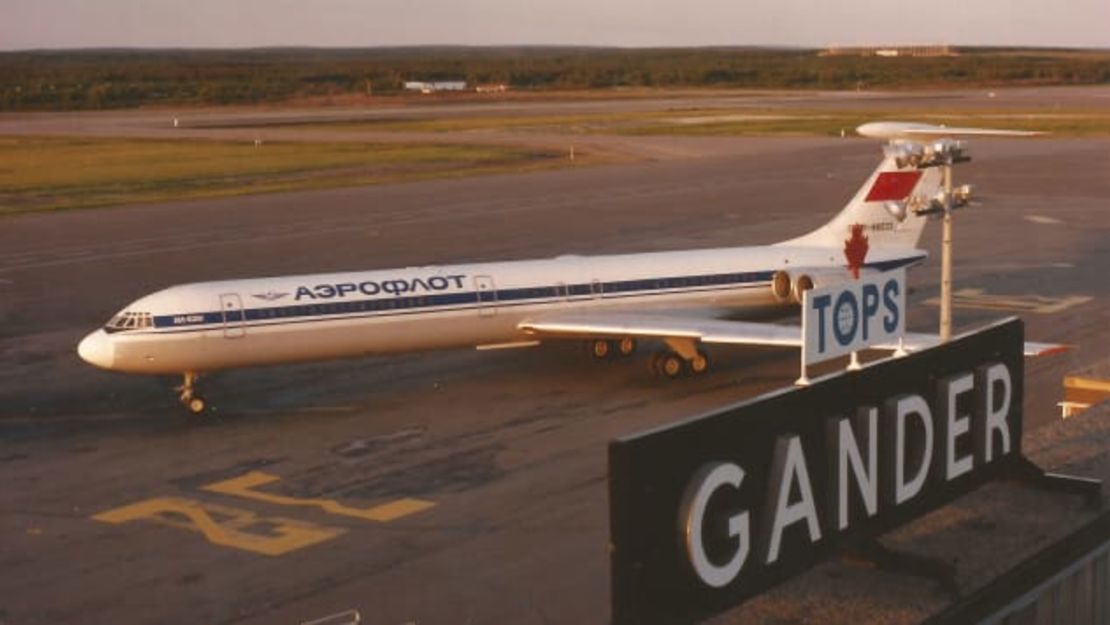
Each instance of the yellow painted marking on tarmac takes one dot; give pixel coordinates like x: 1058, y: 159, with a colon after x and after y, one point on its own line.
x: 244, y: 485
x: 1043, y: 220
x: 225, y: 526
x: 400, y: 508
x: 978, y: 298
x: 1087, y: 384
x: 346, y: 617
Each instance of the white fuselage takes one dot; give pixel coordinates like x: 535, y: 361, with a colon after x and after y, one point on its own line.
x: 218, y: 325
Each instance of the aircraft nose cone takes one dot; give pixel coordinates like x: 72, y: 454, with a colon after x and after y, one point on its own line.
x: 96, y: 349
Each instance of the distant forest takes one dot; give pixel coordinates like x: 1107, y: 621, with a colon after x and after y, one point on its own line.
x: 102, y: 79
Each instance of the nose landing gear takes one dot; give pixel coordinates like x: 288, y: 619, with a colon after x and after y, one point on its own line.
x: 187, y: 393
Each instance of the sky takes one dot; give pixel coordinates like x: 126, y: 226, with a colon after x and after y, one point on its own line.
x: 26, y: 24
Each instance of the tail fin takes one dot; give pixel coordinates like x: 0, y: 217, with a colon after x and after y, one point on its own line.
x: 883, y: 206
x: 888, y: 208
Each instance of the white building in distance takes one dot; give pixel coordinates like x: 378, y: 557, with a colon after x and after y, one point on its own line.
x: 433, y: 86
x: 889, y: 51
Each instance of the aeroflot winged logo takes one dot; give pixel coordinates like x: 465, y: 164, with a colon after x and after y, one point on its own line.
x: 269, y: 296
x: 855, y: 250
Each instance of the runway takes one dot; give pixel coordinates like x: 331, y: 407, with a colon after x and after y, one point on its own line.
x: 464, y: 487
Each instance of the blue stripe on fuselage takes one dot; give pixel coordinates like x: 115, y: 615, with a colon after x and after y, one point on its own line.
x: 469, y: 299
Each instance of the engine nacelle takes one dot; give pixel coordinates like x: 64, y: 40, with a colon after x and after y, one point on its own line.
x: 781, y: 286
x: 790, y: 288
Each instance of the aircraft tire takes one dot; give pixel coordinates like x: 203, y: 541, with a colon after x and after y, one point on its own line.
x: 600, y: 349
x: 195, y: 405
x: 626, y: 346
x: 671, y: 365
x: 700, y: 364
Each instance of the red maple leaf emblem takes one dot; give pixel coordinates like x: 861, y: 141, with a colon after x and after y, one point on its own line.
x: 855, y: 250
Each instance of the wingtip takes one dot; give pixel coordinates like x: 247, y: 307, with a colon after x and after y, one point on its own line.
x: 1055, y: 349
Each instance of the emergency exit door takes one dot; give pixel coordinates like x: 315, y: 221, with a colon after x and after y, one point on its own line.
x: 487, y: 296
x: 231, y: 308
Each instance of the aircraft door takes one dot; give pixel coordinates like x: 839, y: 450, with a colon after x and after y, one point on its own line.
x: 231, y: 308
x: 487, y: 296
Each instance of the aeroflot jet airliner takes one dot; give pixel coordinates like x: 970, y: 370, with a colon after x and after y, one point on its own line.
x: 681, y: 298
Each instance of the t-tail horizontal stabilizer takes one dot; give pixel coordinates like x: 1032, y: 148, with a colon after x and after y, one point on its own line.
x: 912, y: 131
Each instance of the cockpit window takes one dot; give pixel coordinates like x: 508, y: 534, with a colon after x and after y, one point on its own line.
x: 129, y: 321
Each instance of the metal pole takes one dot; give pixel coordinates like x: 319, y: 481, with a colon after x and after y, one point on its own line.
x: 803, y: 379
x: 946, y: 260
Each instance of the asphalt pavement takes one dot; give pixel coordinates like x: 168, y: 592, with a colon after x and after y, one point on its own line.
x: 442, y: 487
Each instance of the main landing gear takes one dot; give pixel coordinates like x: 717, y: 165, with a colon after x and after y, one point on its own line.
x: 680, y: 358
x: 187, y: 393
x: 603, y: 349
x: 672, y: 365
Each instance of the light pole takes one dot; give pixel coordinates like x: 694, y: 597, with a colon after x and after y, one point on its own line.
x: 926, y: 145
x: 946, y: 259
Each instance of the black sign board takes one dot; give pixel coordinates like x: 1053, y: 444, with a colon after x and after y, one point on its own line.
x: 713, y: 510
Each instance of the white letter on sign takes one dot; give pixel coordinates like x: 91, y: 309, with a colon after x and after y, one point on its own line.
x: 904, y: 406
x: 788, y: 468
x: 849, y: 460
x: 987, y: 378
x: 691, y: 520
x: 949, y: 389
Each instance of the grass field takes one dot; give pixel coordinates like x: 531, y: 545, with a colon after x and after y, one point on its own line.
x: 824, y: 123
x: 735, y: 122
x: 560, y: 123
x: 51, y: 173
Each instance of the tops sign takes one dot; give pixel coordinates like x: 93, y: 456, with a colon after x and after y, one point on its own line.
x: 851, y: 316
x: 708, y: 512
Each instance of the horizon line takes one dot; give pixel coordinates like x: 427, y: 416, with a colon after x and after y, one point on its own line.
x: 551, y: 46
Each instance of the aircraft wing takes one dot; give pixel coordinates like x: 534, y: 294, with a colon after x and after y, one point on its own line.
x: 660, y: 326
x: 616, y: 324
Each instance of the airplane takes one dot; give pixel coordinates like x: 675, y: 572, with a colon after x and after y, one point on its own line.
x: 683, y: 299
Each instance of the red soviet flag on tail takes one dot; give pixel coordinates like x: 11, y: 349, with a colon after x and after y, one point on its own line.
x: 893, y: 185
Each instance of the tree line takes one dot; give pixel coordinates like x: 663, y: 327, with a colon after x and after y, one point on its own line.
x: 103, y: 78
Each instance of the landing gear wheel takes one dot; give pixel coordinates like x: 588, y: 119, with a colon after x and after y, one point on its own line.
x: 700, y: 363
x: 195, y: 405
x: 626, y: 346
x: 187, y: 393
x: 670, y: 365
x: 600, y: 349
